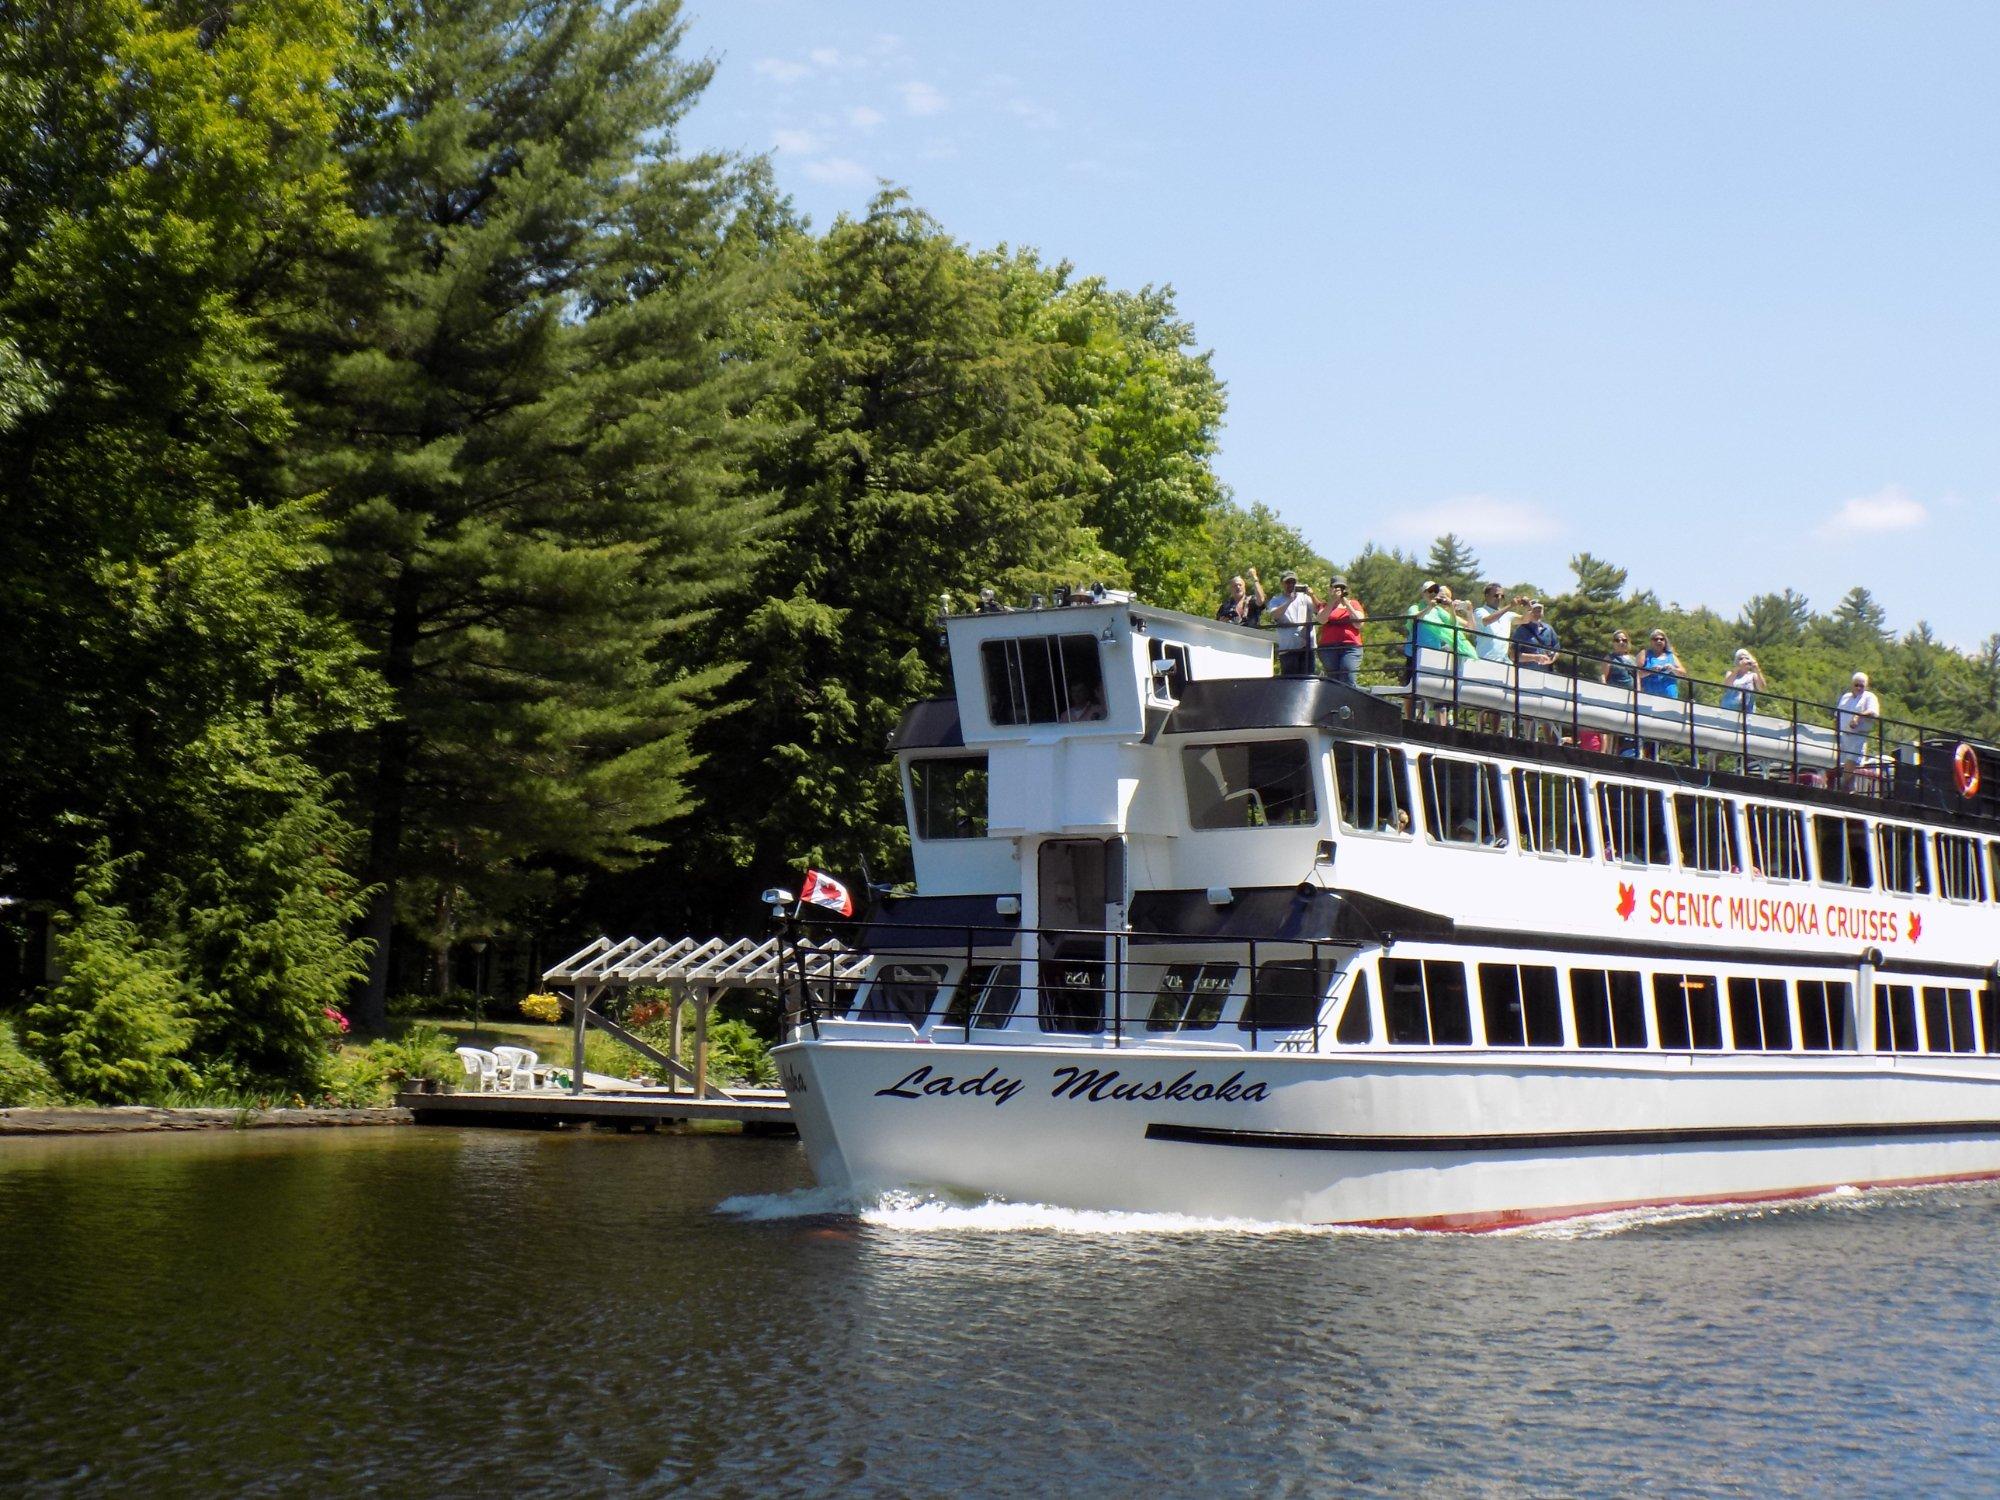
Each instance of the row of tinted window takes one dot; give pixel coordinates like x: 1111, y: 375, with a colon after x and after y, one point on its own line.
x: 1426, y: 1002
x: 1463, y: 804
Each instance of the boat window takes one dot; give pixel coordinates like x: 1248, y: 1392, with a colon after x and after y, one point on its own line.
x: 1284, y: 995
x: 1989, y: 1014
x: 1608, y: 1006
x: 1256, y: 784
x: 1994, y: 884
x: 1948, y: 1019
x: 1961, y: 873
x: 1708, y: 832
x: 1521, y: 1006
x: 1823, y: 1015
x: 1424, y: 1002
x: 1760, y: 1016
x: 1777, y: 841
x: 1634, y: 820
x: 1551, y: 812
x: 948, y: 797
x: 1072, y: 994
x: 1374, y: 788
x: 996, y: 988
x: 901, y: 992
x: 1462, y: 801
x: 1043, y: 679
x: 1905, y: 865
x: 1842, y: 847
x: 1357, y: 1021
x: 1895, y: 1018
x: 1190, y: 997
x: 1686, y: 1012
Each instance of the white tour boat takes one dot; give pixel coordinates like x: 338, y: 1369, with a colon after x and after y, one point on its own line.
x: 1487, y: 947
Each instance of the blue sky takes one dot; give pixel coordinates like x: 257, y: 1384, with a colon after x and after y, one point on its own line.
x: 1708, y: 290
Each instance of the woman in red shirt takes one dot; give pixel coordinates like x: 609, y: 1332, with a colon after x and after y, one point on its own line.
x: 1340, y: 635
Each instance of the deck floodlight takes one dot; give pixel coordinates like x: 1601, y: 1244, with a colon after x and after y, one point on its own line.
x: 778, y: 898
x: 1221, y: 895
x: 1007, y: 906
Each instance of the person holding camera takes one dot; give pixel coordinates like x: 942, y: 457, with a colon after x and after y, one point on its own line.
x: 1292, y: 612
x: 1241, y: 605
x: 1497, y: 619
x: 1340, y: 621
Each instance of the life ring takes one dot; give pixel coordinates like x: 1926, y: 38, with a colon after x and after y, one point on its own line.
x: 1965, y: 767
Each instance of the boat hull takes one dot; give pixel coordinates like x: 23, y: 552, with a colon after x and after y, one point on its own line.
x: 1384, y: 1139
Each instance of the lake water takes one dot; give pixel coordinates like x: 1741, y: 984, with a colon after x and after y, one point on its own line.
x: 426, y: 1311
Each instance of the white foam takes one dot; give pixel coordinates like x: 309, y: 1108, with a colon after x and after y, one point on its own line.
x: 934, y: 1213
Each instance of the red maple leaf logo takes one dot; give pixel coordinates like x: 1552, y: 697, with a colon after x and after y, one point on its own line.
x: 1916, y: 927
x: 1627, y: 899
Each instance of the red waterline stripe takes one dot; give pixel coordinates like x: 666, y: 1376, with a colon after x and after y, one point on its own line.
x: 1522, y: 1218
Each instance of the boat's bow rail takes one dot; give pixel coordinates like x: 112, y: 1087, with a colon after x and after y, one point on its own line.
x: 1276, y: 991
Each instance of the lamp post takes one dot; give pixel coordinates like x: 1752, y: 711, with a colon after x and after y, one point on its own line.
x: 478, y: 947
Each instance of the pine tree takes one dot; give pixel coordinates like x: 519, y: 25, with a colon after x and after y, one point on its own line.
x: 528, y: 393
x: 1586, y: 616
x: 1771, y: 620
x: 1452, y: 562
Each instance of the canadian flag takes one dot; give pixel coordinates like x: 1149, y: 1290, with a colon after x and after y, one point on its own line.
x: 824, y: 890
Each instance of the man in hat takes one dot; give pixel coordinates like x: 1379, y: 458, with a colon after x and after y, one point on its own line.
x: 1292, y: 612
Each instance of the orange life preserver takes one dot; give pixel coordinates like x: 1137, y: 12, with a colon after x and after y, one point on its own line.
x: 1965, y: 766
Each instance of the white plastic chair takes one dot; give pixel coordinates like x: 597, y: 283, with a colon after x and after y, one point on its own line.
x: 482, y: 1068
x: 519, y: 1067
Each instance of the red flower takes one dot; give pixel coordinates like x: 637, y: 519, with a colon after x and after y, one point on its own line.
x: 339, y: 1021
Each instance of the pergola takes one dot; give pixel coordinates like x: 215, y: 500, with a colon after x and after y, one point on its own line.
x: 686, y: 969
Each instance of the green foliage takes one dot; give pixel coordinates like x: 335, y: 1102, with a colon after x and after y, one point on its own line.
x: 114, y: 1025
x: 737, y: 1055
x: 1452, y: 562
x: 526, y: 397
x: 24, y: 1081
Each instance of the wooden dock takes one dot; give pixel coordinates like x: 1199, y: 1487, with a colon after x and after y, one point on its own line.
x: 758, y: 1111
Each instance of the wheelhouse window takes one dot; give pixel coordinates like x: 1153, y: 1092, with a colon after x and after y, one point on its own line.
x: 1462, y: 801
x: 1896, y: 1018
x: 1634, y: 820
x: 994, y: 988
x: 1948, y: 1019
x: 901, y: 992
x: 1686, y: 1012
x: 1708, y: 833
x: 1043, y: 679
x: 1760, y: 1015
x: 1255, y: 784
x: 948, y: 797
x: 1608, y: 1007
x: 1424, y: 1003
x: 1905, y: 861
x: 1357, y: 1018
x: 1522, y: 1005
x: 1823, y: 1015
x: 1777, y: 841
x: 1552, y: 813
x: 1190, y: 997
x: 1842, y: 847
x: 1961, y: 872
x: 1373, y: 786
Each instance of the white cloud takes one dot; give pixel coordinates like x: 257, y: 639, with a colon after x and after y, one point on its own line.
x: 1477, y: 519
x: 781, y: 69
x: 825, y: 57
x: 1891, y: 508
x: 802, y: 141
x: 861, y: 117
x: 922, y: 99
x: 838, y: 171
x: 1035, y: 116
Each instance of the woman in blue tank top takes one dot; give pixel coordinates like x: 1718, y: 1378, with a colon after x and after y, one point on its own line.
x: 1660, y: 671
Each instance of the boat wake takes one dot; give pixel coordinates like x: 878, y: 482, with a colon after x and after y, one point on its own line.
x: 938, y: 1213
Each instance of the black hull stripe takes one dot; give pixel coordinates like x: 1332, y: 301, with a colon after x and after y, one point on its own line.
x: 1692, y: 1135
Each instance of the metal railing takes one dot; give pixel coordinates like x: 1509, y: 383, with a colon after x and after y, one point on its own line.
x: 1775, y: 733
x: 1084, y: 982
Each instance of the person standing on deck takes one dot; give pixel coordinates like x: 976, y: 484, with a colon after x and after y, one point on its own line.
x: 1855, y: 715
x: 1239, y: 607
x: 1497, y: 619
x: 1292, y: 613
x: 1340, y: 621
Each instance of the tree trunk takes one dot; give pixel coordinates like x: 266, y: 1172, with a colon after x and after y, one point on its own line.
x: 394, y: 748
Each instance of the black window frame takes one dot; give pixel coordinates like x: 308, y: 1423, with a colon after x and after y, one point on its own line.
x: 1903, y: 853
x: 1526, y: 1001
x: 1440, y: 995
x: 1758, y: 1004
x: 1272, y: 1005
x: 1759, y: 821
x: 1965, y: 859
x: 1687, y: 1012
x: 1388, y: 768
x: 1347, y: 1033
x: 1705, y: 833
x: 1840, y: 844
x: 1896, y: 1018
x: 1823, y: 1006
x: 1614, y: 827
x: 1041, y: 678
x: 1537, y: 813
x: 1482, y: 791
x: 1201, y: 992
x: 1298, y: 779
x: 1616, y: 1001
x: 927, y: 800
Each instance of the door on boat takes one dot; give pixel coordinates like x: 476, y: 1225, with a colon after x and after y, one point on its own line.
x: 1077, y: 882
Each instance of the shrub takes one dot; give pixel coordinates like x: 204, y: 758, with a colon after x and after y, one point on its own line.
x: 736, y: 1054
x: 423, y: 1051
x: 24, y: 1082
x: 548, y: 1009
x: 357, y: 1080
